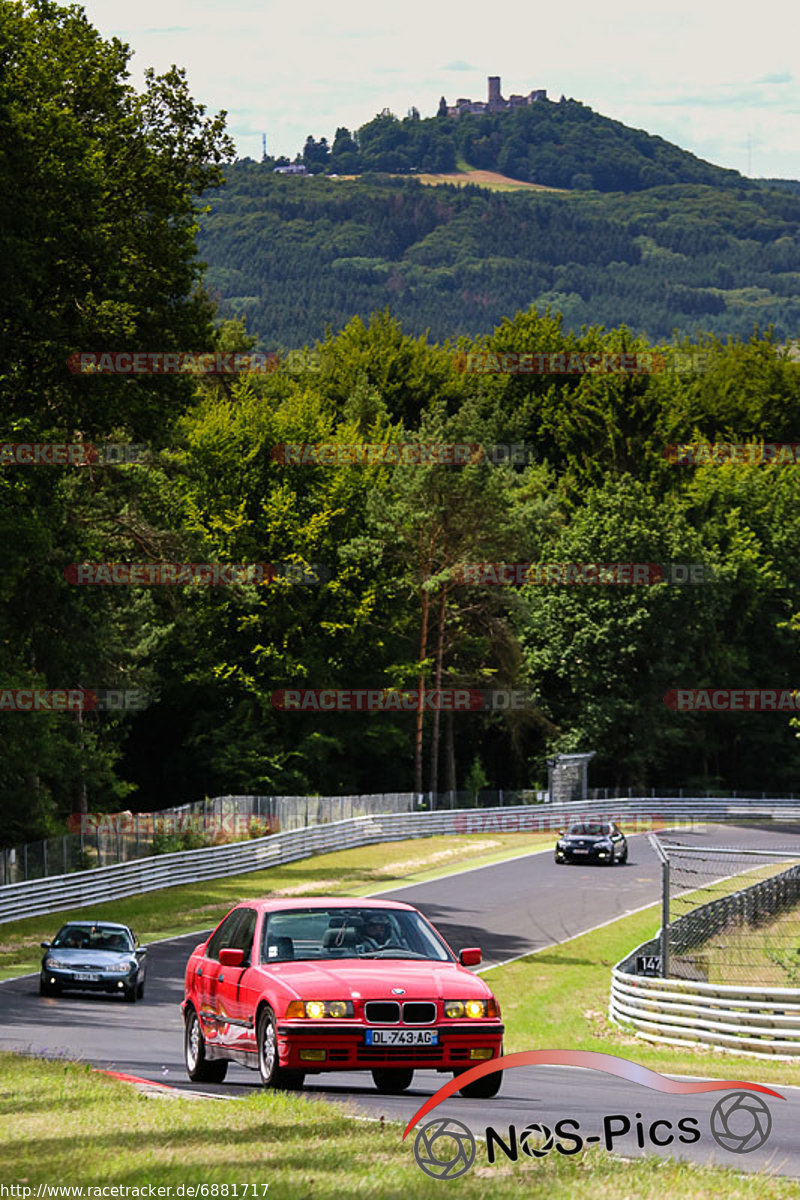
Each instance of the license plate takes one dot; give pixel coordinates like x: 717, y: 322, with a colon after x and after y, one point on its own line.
x: 402, y: 1037
x: 580, y: 851
x: 84, y: 977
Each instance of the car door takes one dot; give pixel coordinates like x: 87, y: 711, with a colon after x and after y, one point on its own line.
x: 237, y: 985
x: 617, y: 840
x: 210, y: 977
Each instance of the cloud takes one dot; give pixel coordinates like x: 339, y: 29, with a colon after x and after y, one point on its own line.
x: 458, y: 65
x: 780, y: 77
x: 746, y: 98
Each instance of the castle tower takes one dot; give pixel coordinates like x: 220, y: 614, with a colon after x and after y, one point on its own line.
x: 494, y: 90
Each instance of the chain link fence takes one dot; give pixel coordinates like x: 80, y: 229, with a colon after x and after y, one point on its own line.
x: 729, y: 915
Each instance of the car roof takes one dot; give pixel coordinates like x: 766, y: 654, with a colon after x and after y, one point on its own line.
x: 92, y: 924
x: 279, y: 904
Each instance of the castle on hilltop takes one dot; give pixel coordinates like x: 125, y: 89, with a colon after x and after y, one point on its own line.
x: 495, y: 103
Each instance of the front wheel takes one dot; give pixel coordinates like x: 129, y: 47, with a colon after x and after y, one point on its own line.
x: 483, y: 1088
x: 391, y: 1082
x: 198, y: 1067
x: 272, y: 1074
x: 624, y: 857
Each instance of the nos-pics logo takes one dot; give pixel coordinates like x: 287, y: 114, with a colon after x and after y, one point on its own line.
x: 445, y: 1148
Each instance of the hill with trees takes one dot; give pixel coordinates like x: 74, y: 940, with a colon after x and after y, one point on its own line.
x: 565, y: 145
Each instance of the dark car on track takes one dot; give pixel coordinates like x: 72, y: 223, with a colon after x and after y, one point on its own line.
x: 592, y: 841
x: 95, y: 956
x: 296, y: 987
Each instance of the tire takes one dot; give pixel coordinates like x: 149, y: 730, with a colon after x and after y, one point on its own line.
x: 624, y: 858
x: 198, y: 1067
x: 130, y: 994
x: 483, y: 1088
x: 391, y: 1081
x: 140, y: 991
x: 272, y: 1074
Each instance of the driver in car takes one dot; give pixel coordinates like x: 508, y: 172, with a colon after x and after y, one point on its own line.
x: 378, y: 932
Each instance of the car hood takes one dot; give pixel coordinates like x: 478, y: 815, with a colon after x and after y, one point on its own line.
x: 99, y: 959
x: 374, y: 980
x: 586, y: 838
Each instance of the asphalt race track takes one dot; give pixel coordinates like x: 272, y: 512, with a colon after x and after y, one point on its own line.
x: 510, y: 909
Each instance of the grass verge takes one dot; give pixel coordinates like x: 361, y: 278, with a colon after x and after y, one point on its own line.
x: 64, y: 1124
x: 190, y: 907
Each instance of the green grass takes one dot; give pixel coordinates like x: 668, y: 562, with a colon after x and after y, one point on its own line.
x: 767, y: 954
x: 558, y: 999
x: 64, y: 1124
x: 199, y: 906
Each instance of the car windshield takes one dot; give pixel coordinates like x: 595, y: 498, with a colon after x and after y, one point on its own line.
x: 315, y: 933
x: 93, y: 937
x: 588, y: 829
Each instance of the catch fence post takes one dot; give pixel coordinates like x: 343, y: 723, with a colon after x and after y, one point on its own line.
x: 664, y: 936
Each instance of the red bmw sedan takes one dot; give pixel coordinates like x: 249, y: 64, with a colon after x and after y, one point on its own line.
x: 292, y: 988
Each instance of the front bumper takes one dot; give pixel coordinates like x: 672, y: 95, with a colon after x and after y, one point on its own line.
x: 107, y: 981
x: 345, y: 1049
x: 568, y: 854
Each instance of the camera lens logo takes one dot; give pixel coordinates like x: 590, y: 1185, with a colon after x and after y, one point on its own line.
x: 741, y: 1122
x: 536, y: 1140
x: 444, y: 1148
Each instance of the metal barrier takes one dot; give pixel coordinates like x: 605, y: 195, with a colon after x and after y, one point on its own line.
x: 742, y: 1018
x: 100, y: 884
x: 760, y: 1021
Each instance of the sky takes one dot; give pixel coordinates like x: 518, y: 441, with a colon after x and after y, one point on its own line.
x: 722, y: 84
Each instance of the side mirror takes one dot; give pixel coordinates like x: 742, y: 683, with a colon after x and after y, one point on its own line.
x: 470, y: 957
x: 45, y: 945
x: 231, y: 958
x: 559, y: 833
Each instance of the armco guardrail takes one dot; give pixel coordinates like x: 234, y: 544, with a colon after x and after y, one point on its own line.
x: 750, y: 1019
x: 764, y: 1021
x: 82, y: 888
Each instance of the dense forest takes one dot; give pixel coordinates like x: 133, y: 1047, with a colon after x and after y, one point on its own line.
x: 98, y: 253
x: 295, y: 255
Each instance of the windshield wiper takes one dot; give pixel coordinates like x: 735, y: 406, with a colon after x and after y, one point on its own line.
x: 397, y: 952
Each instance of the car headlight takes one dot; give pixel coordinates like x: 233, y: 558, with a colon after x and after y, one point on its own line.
x: 121, y: 968
x: 606, y: 845
x: 57, y: 964
x: 470, y: 1008
x: 315, y: 1010
x: 561, y: 844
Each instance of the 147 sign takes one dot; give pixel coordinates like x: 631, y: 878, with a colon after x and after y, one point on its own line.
x: 648, y: 964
